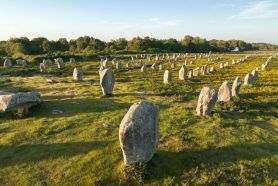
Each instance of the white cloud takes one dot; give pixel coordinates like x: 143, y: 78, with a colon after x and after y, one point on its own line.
x: 260, y: 9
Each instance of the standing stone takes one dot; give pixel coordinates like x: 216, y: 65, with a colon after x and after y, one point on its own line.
x: 119, y: 65
x: 105, y: 63
x: 144, y: 69
x: 196, y: 71
x: 129, y: 65
x: 248, y: 80
x: 161, y: 67
x: 221, y: 65
x: 141, y: 63
x: 173, y: 65
x: 167, y: 78
x: 77, y: 74
x: 153, y: 67
x: 204, y: 70
x: 255, y: 74
x: 263, y: 66
x: 182, y: 73
x: 236, y: 87
x: 190, y: 74
x: 60, y: 62
x: 7, y: 63
x: 139, y: 133
x: 47, y: 63
x: 224, y: 92
x: 72, y: 60
x: 101, y: 68
x: 206, y: 101
x: 107, y: 81
x: 42, y: 67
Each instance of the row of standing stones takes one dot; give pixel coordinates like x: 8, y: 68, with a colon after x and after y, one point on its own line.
x: 139, y: 129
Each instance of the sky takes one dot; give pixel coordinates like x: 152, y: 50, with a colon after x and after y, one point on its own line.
x: 249, y: 20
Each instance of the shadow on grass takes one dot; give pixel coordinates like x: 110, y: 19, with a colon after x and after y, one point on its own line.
x: 32, y: 153
x: 74, y: 106
x: 165, y: 164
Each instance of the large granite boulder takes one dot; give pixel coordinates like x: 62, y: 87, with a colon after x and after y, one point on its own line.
x: 139, y: 132
x: 14, y: 101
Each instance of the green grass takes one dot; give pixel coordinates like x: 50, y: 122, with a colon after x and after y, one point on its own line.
x: 238, y: 145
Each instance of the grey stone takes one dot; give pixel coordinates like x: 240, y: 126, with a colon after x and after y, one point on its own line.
x: 119, y: 66
x: 190, y: 74
x: 183, y: 73
x: 60, y: 62
x: 7, y: 63
x: 107, y: 81
x: 206, y: 101
x: 248, y: 80
x: 255, y: 74
x: 167, y: 78
x: 225, y: 92
x: 139, y: 133
x: 77, y: 74
x: 144, y: 69
x: 14, y: 101
x: 236, y: 86
x: 129, y: 65
x: 72, y: 60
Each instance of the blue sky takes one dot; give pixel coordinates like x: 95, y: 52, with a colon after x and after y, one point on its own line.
x: 249, y: 20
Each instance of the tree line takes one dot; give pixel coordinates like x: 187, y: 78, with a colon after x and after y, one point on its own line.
x: 90, y: 45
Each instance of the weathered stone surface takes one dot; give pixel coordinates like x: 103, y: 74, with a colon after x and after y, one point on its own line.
x: 225, y: 92
x: 263, y: 66
x: 196, y: 71
x: 21, y: 62
x: 144, y: 69
x: 236, y: 86
x: 139, y: 133
x: 248, y: 80
x: 255, y: 74
x: 167, y: 78
x: 206, y: 101
x: 47, y: 63
x: 119, y: 66
x: 107, y: 81
x: 161, y: 67
x: 77, y: 74
x: 173, y: 65
x: 221, y: 65
x: 7, y: 63
x: 183, y: 73
x: 72, y: 60
x: 129, y: 65
x: 13, y: 101
x: 154, y: 66
x: 105, y: 63
x: 190, y: 74
x: 42, y: 67
x: 204, y: 70
x: 60, y: 62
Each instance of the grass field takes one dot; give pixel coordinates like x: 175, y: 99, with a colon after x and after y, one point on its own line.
x: 238, y: 145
